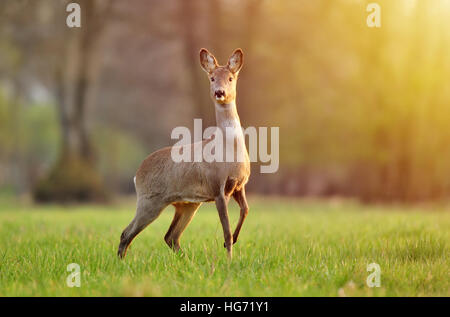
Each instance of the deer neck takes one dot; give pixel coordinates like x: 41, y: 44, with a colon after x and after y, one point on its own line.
x: 227, y: 117
x: 227, y: 120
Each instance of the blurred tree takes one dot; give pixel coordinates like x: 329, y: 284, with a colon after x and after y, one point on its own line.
x: 74, y: 176
x: 67, y: 67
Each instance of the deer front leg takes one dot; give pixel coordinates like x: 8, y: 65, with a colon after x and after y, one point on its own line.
x: 221, y: 204
x: 240, y: 198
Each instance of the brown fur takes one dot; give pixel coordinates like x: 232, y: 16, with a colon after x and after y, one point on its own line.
x: 161, y: 182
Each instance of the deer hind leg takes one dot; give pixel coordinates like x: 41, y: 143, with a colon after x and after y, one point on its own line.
x: 240, y: 198
x: 148, y: 209
x: 184, y: 212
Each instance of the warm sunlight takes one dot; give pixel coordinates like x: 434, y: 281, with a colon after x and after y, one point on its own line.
x: 228, y: 148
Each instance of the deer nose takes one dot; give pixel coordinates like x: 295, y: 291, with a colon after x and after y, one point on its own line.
x: 219, y: 93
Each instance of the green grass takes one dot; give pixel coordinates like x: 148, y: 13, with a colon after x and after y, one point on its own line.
x: 286, y: 248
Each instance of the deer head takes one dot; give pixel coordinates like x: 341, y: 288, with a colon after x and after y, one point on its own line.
x: 222, y: 79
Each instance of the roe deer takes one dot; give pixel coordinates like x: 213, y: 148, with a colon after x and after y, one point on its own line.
x: 160, y: 181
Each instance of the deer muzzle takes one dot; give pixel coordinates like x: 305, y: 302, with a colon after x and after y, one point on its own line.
x: 219, y: 95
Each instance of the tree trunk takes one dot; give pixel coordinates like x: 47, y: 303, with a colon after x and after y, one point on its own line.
x: 74, y: 176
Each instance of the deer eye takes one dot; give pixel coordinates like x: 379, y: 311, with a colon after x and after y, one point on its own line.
x: 212, y: 78
x: 230, y: 79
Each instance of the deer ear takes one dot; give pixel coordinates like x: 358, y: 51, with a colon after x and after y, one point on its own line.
x: 236, y: 61
x: 207, y: 60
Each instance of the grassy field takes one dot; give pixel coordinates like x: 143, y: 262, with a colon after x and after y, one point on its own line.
x: 286, y: 248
